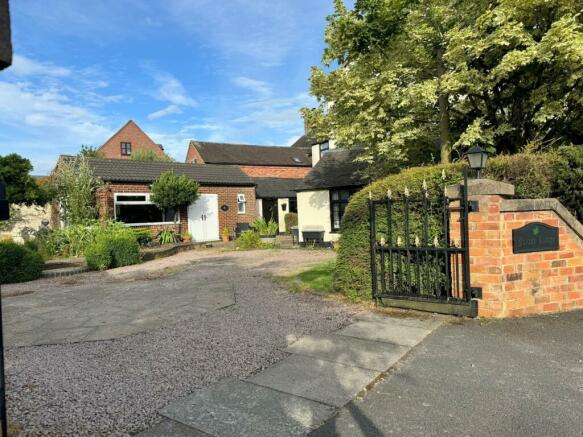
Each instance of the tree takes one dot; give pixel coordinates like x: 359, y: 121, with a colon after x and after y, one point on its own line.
x: 415, y: 81
x: 149, y: 155
x: 171, y: 191
x: 90, y: 152
x: 21, y: 186
x: 76, y: 188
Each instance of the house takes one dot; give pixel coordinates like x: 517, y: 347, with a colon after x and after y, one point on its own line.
x: 5, y: 44
x: 324, y: 193
x: 226, y: 197
x: 129, y: 140
x: 275, y: 170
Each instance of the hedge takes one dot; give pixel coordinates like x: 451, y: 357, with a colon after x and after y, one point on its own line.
x: 290, y: 219
x: 18, y: 263
x: 535, y: 175
x: 115, y: 250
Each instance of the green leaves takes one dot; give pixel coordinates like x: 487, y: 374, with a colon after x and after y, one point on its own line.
x: 173, y: 191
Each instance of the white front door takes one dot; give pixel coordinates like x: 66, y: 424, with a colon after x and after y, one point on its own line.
x: 203, y: 218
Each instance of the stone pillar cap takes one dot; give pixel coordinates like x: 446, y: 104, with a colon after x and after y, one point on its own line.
x: 481, y: 187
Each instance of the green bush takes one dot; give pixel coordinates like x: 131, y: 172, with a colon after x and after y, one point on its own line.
x: 18, y: 263
x: 143, y: 236
x: 535, y: 175
x: 168, y: 236
x: 263, y: 228
x: 117, y: 249
x: 290, y: 219
x: 248, y: 240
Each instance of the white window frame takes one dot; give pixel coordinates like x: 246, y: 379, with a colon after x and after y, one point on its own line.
x: 241, y: 200
x: 137, y: 202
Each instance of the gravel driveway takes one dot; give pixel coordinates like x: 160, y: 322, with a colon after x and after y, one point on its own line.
x: 116, y: 387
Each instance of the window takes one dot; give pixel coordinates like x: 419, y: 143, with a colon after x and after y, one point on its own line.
x: 338, y: 201
x: 241, y: 203
x: 126, y: 149
x: 137, y: 209
x: 324, y: 148
x: 293, y: 205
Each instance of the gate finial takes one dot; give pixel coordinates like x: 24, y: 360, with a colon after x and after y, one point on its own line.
x: 424, y: 185
x: 406, y: 192
x: 417, y: 241
x: 435, y: 241
x: 443, y: 175
x: 399, y: 241
x: 370, y: 195
x: 389, y: 194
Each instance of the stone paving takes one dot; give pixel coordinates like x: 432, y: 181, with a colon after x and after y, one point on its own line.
x: 298, y: 394
x: 103, y: 313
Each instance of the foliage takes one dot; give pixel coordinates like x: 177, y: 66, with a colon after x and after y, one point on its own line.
x: 90, y: 152
x: 290, y: 219
x: 73, y: 241
x: 112, y: 250
x: 535, y: 175
x: 263, y: 228
x: 143, y: 236
x: 75, y: 188
x: 149, y: 155
x: 21, y: 187
x: 168, y: 236
x: 403, y: 77
x: 173, y: 191
x: 18, y: 263
x: 250, y: 240
x: 568, y: 183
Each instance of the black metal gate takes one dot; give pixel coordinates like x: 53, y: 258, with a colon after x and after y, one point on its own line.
x: 416, y: 262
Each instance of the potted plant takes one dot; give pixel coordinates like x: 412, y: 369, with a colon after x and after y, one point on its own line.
x: 266, y: 230
x: 225, y: 235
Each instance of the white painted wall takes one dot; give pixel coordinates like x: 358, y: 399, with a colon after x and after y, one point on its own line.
x: 259, y: 207
x: 316, y: 151
x: 314, y: 211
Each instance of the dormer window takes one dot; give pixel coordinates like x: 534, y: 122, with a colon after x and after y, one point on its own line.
x: 324, y: 148
x: 126, y: 149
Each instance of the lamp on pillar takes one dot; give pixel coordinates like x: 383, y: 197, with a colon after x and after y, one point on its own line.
x: 477, y: 158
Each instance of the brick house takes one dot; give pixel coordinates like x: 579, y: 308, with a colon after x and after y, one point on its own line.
x: 227, y: 197
x: 275, y: 170
x: 127, y: 141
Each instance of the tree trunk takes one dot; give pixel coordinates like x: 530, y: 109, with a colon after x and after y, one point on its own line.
x: 443, y: 101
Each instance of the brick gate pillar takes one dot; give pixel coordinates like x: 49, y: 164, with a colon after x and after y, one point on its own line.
x: 518, y: 284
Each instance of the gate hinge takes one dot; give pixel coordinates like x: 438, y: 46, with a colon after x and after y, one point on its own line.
x: 473, y: 206
x: 476, y: 292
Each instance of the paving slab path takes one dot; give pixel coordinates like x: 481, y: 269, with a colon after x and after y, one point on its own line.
x: 321, y: 374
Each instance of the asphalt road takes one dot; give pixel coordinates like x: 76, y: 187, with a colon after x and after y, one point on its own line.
x: 520, y: 377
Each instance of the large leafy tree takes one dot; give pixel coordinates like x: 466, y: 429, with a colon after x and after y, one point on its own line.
x: 174, y: 191
x: 413, y: 81
x: 22, y: 188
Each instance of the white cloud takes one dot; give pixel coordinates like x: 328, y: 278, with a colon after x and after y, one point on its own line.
x: 171, y: 90
x: 257, y: 86
x: 23, y: 66
x: 171, y: 109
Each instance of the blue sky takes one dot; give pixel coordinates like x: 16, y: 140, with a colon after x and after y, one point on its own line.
x: 216, y: 70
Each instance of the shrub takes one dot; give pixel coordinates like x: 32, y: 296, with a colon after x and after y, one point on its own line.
x: 263, y: 228
x: 116, y: 249
x: 18, y: 263
x: 248, y: 240
x: 168, y: 236
x: 535, y: 175
x: 143, y: 236
x: 290, y: 219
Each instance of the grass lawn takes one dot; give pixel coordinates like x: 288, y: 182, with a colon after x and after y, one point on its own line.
x: 318, y: 278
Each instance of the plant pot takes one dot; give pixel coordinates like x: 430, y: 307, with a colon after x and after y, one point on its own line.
x: 270, y: 239
x: 225, y: 238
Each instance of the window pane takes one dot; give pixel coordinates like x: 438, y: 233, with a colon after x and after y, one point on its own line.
x: 335, y: 195
x: 336, y: 216
x: 131, y: 198
x: 241, y: 207
x: 344, y: 195
x: 169, y: 215
x: 138, y: 214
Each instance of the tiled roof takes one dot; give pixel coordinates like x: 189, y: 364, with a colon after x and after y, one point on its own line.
x: 244, y: 154
x: 335, y: 169
x: 304, y: 142
x: 275, y: 187
x: 124, y: 170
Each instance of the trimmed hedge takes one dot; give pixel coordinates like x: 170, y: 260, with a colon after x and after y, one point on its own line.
x: 290, y: 219
x: 535, y: 175
x: 18, y: 263
x: 115, y: 250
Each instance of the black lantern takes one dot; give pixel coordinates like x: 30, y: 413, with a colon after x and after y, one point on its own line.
x: 477, y: 158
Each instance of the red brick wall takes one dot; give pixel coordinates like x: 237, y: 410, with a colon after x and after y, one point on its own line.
x: 257, y: 171
x: 191, y: 154
x: 132, y: 133
x: 521, y: 284
x: 226, y: 196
